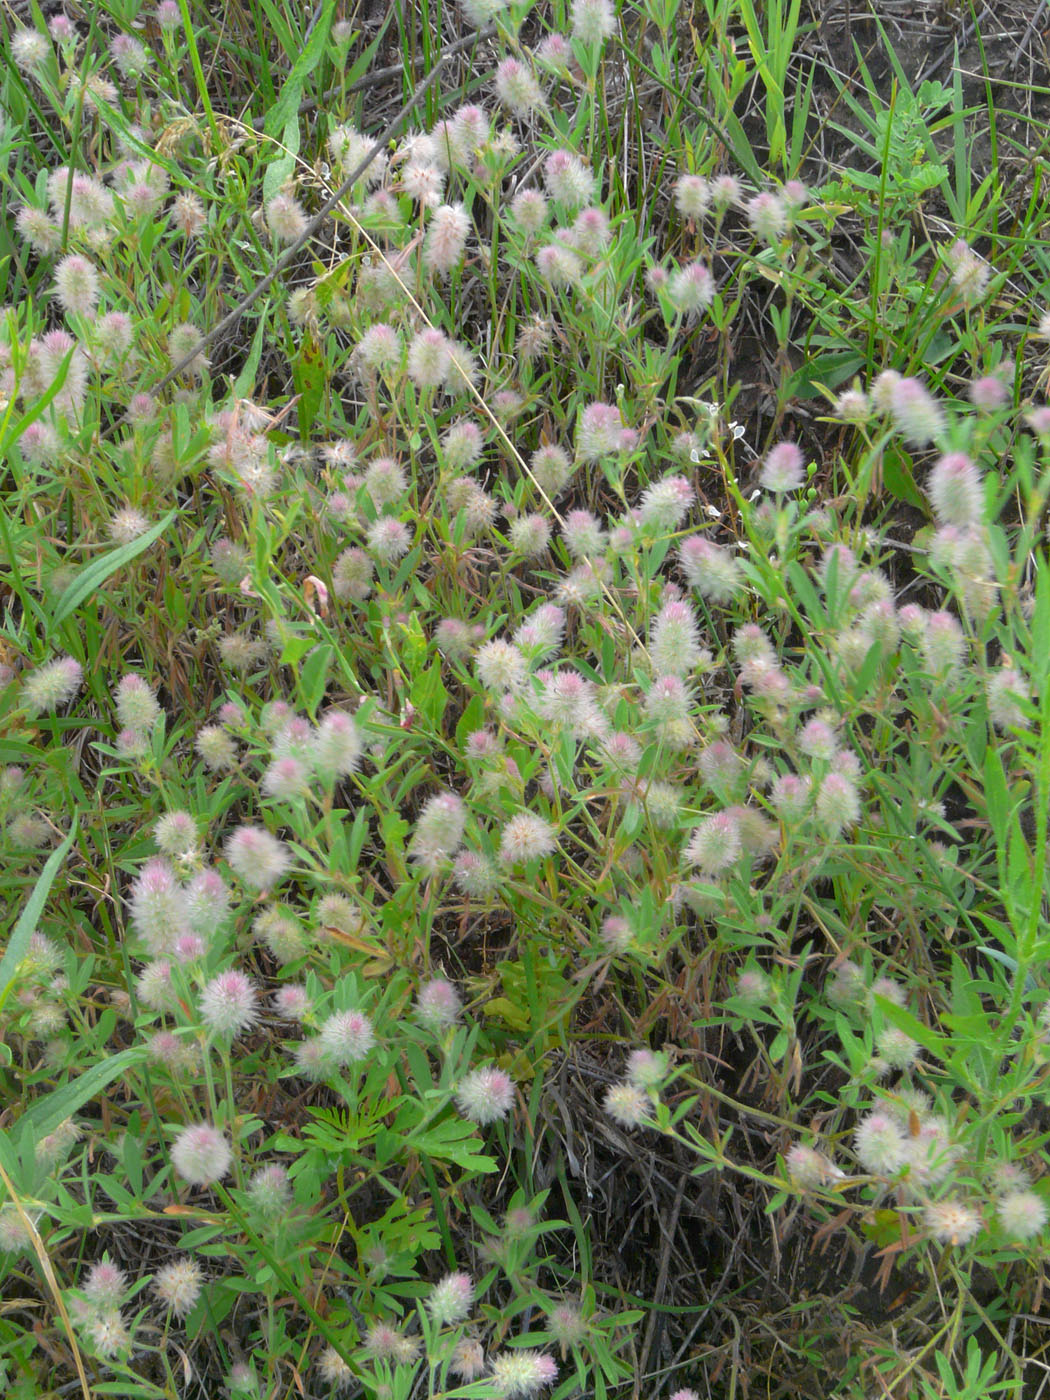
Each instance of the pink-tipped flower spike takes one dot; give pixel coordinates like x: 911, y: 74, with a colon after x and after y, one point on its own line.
x: 51, y: 685
x: 516, y: 1375
x: 451, y: 1299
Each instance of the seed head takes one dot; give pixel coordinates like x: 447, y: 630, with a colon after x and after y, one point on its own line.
x: 838, y: 805
x: 1022, y: 1214
x: 969, y: 272
x: 136, y: 705
x: 551, y: 468
x: 285, y: 218
x: 1004, y: 689
x: 767, y: 216
x: 517, y: 88
x: 558, y: 265
x: 590, y: 233
x: 593, y: 21
x: 429, y: 361
x: 501, y: 666
x: 335, y: 1372
x: 528, y: 209
x: 529, y: 535
x: 691, y: 288
x: 526, y: 837
x: 178, y: 1285
x: 943, y: 644
x: 568, y: 180
x: 600, y: 431
x: 446, y: 238
x: 989, y: 393
x: 646, y: 1069
x: 158, y: 905
x: 292, y: 1002
x: 106, y: 1285
x: 674, y: 642
x: 583, y: 534
x: 29, y: 49
x: 462, y: 445
x: 109, y: 1334
x: 806, y: 1167
x: 474, y: 875
x: 710, y: 569
x: 952, y: 1221
x: 389, y: 539
x: 76, y: 285
x: 270, y: 1192
x: 627, y: 1103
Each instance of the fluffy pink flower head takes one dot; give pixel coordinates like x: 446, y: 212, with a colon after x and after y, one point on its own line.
x: 593, y: 21
x: 1022, y: 1214
x: 767, y: 216
x: 228, y: 1004
x: 600, y: 431
x: 955, y: 491
x: 429, y: 360
x: 438, y: 1005
x: 715, y: 844
x: 692, y: 196
x: 783, y: 469
x: 106, y: 1285
x: 627, y: 1103
x: 916, y: 415
x: 347, y: 1036
x: 257, y: 858
x: 880, y: 1144
x: 446, y: 239
x: 691, y: 288
x: 201, y: 1154
x: 568, y: 180
x: 485, y: 1095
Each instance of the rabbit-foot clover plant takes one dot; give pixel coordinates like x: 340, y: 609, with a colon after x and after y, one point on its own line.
x: 524, y: 658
